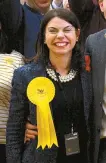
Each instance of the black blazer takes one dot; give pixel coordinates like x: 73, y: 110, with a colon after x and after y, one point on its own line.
x: 96, y: 48
x: 20, y: 108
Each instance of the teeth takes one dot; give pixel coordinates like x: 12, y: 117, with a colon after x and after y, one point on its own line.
x: 61, y: 44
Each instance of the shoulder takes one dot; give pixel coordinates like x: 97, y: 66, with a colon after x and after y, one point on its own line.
x: 22, y: 75
x: 12, y: 60
x: 30, y: 69
x: 96, y: 40
x: 26, y: 68
x: 101, y: 34
x: 28, y: 11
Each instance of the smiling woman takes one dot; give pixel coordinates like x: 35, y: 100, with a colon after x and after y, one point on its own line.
x: 61, y: 37
x: 59, y: 59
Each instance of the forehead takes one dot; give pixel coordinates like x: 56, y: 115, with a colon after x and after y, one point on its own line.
x: 58, y: 23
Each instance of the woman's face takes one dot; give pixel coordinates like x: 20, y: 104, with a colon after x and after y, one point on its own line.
x: 60, y: 36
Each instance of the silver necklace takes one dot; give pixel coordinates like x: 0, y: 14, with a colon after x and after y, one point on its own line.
x: 63, y: 79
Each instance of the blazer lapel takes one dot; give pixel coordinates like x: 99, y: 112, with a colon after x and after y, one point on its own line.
x: 98, y: 66
x: 87, y: 93
x: 102, y: 65
x: 101, y: 78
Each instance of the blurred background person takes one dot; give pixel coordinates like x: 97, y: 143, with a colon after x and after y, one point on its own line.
x: 90, y: 14
x: 8, y: 63
x: 21, y: 23
x: 56, y: 4
x: 96, y: 48
x: 60, y: 4
x: 66, y: 4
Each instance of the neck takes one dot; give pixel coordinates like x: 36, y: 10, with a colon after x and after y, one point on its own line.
x: 35, y: 7
x: 105, y: 16
x: 44, y: 11
x: 61, y: 63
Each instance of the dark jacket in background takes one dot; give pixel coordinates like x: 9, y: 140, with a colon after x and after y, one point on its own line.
x: 90, y: 17
x: 96, y: 48
x: 21, y: 24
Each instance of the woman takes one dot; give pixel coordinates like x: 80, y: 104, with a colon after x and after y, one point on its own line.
x: 8, y: 63
x: 59, y: 59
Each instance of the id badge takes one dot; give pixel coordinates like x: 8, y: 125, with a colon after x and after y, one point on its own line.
x: 72, y: 144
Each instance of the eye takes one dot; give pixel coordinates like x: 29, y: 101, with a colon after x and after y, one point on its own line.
x: 52, y: 31
x: 67, y: 30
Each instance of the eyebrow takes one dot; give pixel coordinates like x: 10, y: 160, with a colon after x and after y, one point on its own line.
x: 64, y: 27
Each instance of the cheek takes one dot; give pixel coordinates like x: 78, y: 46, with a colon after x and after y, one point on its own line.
x: 48, y: 39
x: 73, y: 44
x: 48, y: 42
x: 73, y: 40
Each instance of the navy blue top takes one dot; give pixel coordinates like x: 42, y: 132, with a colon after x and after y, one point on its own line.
x: 32, y: 20
x: 21, y: 24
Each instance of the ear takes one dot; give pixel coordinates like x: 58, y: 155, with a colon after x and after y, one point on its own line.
x: 44, y: 41
x: 44, y: 38
x: 101, y: 6
x: 77, y: 34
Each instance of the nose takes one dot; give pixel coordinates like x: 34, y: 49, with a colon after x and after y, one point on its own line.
x: 60, y: 34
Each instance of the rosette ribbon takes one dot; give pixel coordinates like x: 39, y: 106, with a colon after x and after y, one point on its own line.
x: 41, y: 91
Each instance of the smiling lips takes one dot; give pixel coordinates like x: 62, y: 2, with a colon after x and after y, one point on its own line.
x: 61, y: 44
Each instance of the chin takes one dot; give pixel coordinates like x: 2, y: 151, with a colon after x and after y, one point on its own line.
x: 62, y: 53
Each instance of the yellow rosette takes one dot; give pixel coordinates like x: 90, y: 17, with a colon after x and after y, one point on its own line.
x: 40, y: 92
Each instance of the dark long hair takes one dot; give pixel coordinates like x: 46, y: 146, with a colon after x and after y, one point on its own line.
x: 3, y: 41
x: 42, y: 51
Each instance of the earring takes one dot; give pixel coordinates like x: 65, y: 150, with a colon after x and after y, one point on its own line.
x: 77, y: 38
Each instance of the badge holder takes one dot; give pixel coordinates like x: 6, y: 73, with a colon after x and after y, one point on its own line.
x: 72, y: 143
